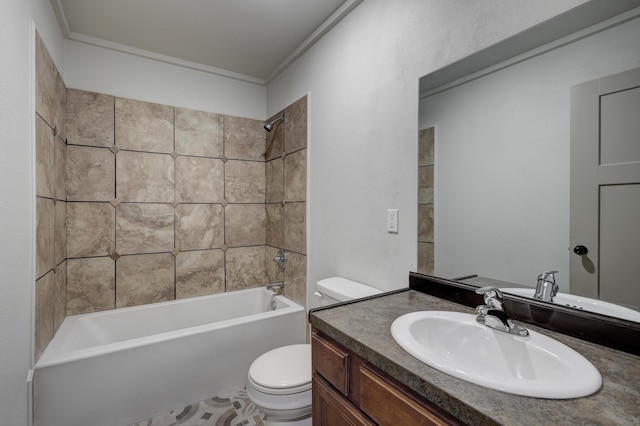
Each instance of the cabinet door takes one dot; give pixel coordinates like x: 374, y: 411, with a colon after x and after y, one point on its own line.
x: 332, y: 409
x: 388, y: 405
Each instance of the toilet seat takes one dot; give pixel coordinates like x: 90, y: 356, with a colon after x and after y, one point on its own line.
x: 282, y: 371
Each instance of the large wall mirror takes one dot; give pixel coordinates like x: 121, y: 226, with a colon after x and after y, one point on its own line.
x: 501, y: 125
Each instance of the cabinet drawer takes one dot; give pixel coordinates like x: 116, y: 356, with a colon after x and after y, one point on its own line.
x: 387, y: 404
x: 331, y: 362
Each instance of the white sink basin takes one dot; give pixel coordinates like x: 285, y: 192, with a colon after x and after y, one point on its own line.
x: 583, y: 303
x: 535, y: 365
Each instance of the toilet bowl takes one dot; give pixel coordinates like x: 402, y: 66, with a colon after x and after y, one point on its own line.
x: 280, y: 385
x: 280, y: 380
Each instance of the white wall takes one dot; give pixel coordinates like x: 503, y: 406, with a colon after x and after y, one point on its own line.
x: 17, y: 195
x: 363, y: 117
x: 103, y: 70
x: 502, y: 160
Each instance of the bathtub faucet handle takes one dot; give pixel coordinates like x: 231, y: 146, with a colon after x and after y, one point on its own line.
x: 281, y: 259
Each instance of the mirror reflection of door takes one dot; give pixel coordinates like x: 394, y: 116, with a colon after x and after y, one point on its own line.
x: 605, y: 188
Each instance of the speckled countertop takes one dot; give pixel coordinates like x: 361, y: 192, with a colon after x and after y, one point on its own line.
x: 364, y: 327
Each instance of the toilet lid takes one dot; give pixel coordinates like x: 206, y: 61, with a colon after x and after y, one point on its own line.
x: 284, y: 368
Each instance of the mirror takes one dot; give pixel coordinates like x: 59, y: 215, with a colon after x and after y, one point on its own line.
x: 501, y: 121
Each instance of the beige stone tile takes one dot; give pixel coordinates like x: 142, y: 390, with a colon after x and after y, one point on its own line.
x: 274, y: 273
x: 59, y: 113
x: 199, y: 133
x: 143, y: 126
x: 425, y: 147
x: 274, y: 180
x: 45, y: 159
x: 245, y: 268
x: 45, y: 82
x: 295, y: 126
x: 425, y: 223
x: 90, y: 118
x: 244, y: 181
x: 90, y: 229
x: 426, y: 254
x: 274, y: 139
x: 146, y: 278
x: 144, y: 177
x: 45, y: 224
x: 244, y: 138
x: 275, y: 224
x: 295, y: 176
x: 199, y: 226
x: 60, y: 232
x: 60, y: 169
x: 199, y: 180
x: 199, y: 273
x: 295, y: 278
x: 295, y: 231
x: 44, y: 324
x: 90, y: 174
x: 90, y: 285
x: 245, y: 225
x: 60, y: 295
x: 425, y: 185
x: 144, y: 228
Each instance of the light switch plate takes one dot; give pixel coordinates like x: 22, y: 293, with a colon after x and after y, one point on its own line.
x: 392, y: 221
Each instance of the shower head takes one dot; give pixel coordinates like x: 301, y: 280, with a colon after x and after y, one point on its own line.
x: 269, y: 126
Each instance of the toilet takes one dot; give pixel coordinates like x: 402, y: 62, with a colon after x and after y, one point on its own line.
x: 337, y: 289
x: 279, y: 381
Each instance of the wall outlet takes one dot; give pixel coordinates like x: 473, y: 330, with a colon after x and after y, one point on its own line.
x: 392, y: 221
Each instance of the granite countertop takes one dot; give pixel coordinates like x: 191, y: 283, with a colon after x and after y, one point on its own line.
x: 364, y: 327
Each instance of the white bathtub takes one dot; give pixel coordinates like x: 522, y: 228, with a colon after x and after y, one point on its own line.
x: 122, y: 366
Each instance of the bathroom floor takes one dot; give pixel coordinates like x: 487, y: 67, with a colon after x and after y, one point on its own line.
x: 227, y: 409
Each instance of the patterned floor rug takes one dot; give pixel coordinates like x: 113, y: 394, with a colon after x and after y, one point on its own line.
x: 228, y: 409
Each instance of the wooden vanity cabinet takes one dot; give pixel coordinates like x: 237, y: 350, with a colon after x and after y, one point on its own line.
x: 349, y: 391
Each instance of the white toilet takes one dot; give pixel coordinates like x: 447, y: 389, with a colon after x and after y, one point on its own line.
x: 280, y: 380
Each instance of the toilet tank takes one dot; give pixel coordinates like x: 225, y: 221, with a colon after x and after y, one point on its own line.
x: 337, y: 289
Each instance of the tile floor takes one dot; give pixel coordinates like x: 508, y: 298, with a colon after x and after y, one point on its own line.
x: 227, y: 409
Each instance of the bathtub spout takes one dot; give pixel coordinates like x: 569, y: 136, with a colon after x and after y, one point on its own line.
x: 272, y: 287
x: 275, y: 285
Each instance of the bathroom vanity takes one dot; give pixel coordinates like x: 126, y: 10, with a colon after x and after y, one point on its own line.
x: 361, y: 376
x: 347, y: 390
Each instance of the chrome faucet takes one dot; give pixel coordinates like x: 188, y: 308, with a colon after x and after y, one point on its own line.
x: 274, y: 287
x: 546, y: 289
x: 493, y: 315
x: 281, y: 259
x: 279, y: 286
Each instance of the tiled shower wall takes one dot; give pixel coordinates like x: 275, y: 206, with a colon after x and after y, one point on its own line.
x: 163, y: 203
x: 51, y: 255
x: 426, y: 250
x: 286, y: 194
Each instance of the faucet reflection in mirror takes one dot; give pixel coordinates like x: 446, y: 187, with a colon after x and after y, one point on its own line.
x: 546, y: 289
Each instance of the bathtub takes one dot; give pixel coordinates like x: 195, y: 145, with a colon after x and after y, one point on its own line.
x: 122, y: 366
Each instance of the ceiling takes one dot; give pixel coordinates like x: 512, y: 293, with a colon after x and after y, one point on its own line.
x: 242, y: 38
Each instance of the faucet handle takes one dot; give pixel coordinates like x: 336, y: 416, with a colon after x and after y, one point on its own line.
x: 548, y: 276
x: 492, y: 297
